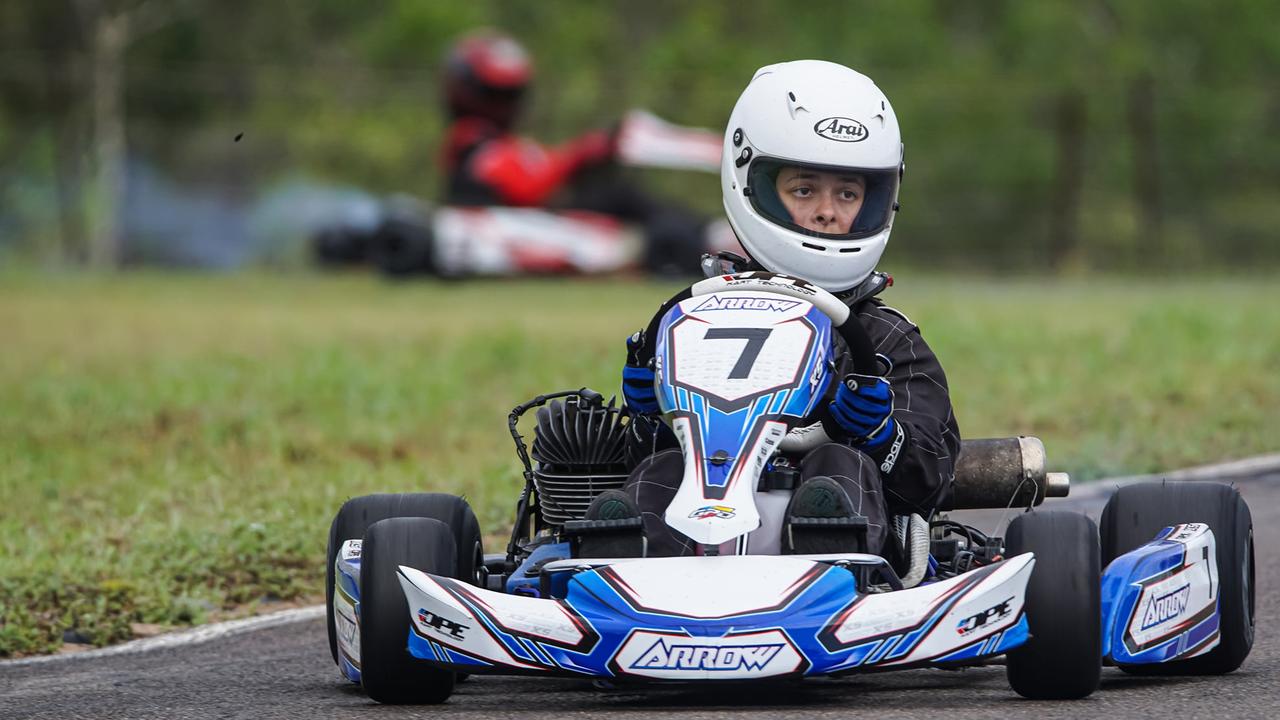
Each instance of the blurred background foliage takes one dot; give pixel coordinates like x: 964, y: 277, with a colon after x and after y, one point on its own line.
x: 1134, y: 135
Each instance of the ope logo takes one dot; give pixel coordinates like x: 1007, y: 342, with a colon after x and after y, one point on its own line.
x: 991, y: 614
x: 841, y: 129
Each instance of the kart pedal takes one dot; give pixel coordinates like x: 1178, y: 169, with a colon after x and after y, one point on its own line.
x: 853, y: 522
x: 593, y: 527
x: 819, y: 535
x: 620, y: 538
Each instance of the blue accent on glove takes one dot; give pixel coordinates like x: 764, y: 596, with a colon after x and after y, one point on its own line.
x: 638, y: 381
x: 864, y: 408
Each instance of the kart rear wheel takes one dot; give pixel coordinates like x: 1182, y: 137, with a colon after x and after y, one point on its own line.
x: 357, y: 514
x: 1134, y: 515
x: 1062, y: 660
x: 388, y: 672
x: 402, y: 248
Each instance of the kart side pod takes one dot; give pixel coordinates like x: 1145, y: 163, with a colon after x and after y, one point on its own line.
x: 1003, y: 472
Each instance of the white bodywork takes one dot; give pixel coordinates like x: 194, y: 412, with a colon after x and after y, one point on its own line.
x: 723, y: 594
x: 344, y: 609
x: 706, y: 365
x: 502, y: 241
x: 1173, y: 601
x: 646, y: 140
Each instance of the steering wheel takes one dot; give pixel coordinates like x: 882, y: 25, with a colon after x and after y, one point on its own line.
x: 861, y: 351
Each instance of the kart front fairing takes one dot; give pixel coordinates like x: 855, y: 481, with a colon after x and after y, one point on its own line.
x: 734, y: 370
x: 728, y: 617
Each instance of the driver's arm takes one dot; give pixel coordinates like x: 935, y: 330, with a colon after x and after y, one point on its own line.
x: 917, y: 464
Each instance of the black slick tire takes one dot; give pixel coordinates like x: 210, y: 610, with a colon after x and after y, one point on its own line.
x: 1134, y: 515
x: 357, y: 514
x: 388, y: 672
x: 1062, y: 660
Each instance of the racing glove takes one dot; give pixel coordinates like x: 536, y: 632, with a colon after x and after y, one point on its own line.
x: 863, y: 407
x: 638, y: 379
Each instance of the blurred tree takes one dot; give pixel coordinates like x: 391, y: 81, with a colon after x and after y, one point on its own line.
x: 111, y: 27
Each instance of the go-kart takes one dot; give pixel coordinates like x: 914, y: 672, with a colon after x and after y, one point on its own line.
x: 407, y: 236
x: 739, y: 359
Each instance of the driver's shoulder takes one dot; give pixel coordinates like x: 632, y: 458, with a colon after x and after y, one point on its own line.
x: 883, y: 320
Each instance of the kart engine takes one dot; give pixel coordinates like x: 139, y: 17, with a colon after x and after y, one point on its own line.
x: 580, y: 451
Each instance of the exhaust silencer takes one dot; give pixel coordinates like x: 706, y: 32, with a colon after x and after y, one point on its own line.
x: 1004, y: 472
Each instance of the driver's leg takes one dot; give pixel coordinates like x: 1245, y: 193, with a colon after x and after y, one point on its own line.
x: 858, y: 476
x: 653, y: 484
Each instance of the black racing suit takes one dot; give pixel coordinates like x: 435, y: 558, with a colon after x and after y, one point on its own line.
x: 912, y: 473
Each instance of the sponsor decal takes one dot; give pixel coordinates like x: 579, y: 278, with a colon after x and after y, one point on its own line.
x: 1183, y: 533
x: 351, y: 550
x: 1166, y: 607
x: 757, y: 282
x: 748, y: 303
x: 346, y: 628
x: 973, y: 623
x: 690, y: 656
x: 841, y: 129
x: 442, y: 625
x: 891, y: 459
x: 719, y: 512
x: 819, y: 368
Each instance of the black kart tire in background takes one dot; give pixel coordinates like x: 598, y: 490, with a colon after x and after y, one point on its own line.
x: 357, y: 514
x: 1062, y: 660
x: 388, y: 672
x: 403, y: 247
x: 1136, y: 513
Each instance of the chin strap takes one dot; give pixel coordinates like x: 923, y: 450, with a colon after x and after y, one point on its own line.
x: 875, y: 284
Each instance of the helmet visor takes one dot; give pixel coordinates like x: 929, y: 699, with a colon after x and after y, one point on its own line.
x: 837, y: 203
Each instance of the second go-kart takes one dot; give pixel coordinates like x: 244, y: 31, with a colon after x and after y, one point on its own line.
x: 414, y: 603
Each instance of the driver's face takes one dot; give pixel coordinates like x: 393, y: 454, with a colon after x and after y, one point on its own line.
x: 821, y: 201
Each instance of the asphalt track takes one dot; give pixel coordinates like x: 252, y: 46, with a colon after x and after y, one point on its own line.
x: 284, y: 671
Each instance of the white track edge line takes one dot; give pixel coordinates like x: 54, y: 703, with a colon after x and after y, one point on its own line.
x: 1258, y: 466
x: 194, y: 636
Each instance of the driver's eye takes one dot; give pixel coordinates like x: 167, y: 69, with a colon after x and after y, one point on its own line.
x: 802, y: 191
x: 849, y: 195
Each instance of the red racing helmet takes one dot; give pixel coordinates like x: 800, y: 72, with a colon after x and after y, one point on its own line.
x: 486, y: 73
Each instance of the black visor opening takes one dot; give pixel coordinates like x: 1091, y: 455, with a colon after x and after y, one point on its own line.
x: 879, y: 191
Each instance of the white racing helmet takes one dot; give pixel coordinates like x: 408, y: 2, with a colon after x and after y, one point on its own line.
x: 815, y: 115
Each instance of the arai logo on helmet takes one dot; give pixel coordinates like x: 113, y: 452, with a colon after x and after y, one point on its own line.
x: 841, y: 129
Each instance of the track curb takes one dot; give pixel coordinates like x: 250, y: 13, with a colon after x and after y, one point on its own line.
x: 194, y: 636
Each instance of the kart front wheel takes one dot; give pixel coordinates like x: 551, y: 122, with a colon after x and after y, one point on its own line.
x: 1062, y: 660
x: 388, y: 672
x: 357, y: 514
x: 1134, y: 515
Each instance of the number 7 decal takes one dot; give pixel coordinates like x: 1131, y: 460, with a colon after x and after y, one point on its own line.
x: 755, y: 338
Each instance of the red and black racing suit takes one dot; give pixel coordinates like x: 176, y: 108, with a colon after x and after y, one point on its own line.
x: 486, y: 165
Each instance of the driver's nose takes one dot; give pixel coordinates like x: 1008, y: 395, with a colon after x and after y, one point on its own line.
x: 825, y: 213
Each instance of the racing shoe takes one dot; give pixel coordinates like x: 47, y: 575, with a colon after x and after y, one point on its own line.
x: 611, y: 528
x: 820, y: 520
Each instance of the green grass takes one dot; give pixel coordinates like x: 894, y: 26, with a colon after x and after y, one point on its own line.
x: 173, y: 447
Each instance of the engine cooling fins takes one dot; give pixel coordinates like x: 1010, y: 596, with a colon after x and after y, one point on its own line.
x: 580, y: 451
